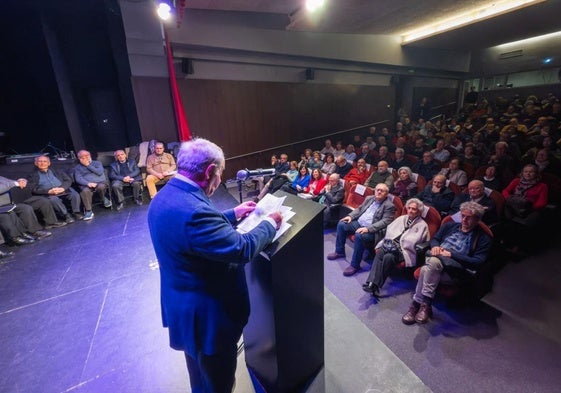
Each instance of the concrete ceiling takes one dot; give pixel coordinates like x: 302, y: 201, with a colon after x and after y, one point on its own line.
x: 391, y: 17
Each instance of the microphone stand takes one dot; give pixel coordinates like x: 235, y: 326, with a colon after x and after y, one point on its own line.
x: 240, y: 189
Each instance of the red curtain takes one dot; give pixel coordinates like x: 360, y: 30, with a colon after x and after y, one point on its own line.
x: 180, y: 118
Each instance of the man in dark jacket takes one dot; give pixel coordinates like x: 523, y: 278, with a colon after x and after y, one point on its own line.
x: 204, y: 296
x: 125, y: 172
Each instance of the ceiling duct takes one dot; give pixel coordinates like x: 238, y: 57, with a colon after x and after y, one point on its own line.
x: 510, y: 55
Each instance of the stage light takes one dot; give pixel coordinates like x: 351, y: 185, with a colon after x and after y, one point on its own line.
x: 464, y: 19
x: 164, y: 10
x: 547, y: 60
x: 314, y: 5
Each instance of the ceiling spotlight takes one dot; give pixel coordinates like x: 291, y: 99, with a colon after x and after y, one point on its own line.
x: 547, y: 60
x: 164, y: 10
x: 313, y: 5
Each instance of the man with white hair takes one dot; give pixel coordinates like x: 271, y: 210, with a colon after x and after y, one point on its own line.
x: 204, y: 297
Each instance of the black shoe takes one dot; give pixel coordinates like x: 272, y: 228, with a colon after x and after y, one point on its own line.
x: 5, y: 254
x: 41, y: 234
x: 68, y: 219
x: 371, y: 288
x: 79, y: 216
x: 20, y: 241
x: 55, y: 225
x: 138, y: 201
x: 28, y: 236
x: 120, y: 206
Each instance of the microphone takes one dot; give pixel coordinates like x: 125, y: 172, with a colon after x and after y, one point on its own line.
x: 244, y: 174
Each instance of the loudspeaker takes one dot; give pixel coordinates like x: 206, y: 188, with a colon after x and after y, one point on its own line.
x: 187, y: 66
x: 309, y: 74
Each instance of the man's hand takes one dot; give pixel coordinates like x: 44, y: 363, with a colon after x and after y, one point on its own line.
x: 56, y: 190
x: 361, y: 230
x: 22, y: 183
x: 277, y: 216
x: 346, y: 219
x: 92, y: 185
x: 244, y: 209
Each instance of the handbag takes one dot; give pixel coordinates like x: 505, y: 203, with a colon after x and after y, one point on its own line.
x: 391, y: 245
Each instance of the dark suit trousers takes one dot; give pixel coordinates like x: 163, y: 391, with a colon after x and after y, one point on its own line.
x: 213, y: 373
x: 28, y: 218
x: 44, y: 207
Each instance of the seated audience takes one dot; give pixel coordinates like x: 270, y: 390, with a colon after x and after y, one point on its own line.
x: 315, y: 186
x: 426, y: 167
x: 276, y: 182
x: 342, y: 166
x: 439, y: 152
x: 382, y: 174
x: 160, y: 167
x: 56, y: 186
x: 18, y: 222
x: 490, y: 180
x: 404, y: 187
x: 368, y: 223
x: 455, y: 249
x: 454, y: 173
x: 90, y: 177
x: 349, y: 153
x: 332, y: 196
x: 469, y: 156
x: 437, y: 195
x: 476, y: 193
x: 365, y: 154
x: 339, y: 149
x: 328, y: 166
x: 125, y: 172
x: 327, y: 148
x: 359, y: 174
x: 315, y: 161
x: 402, y: 236
x: 299, y: 183
x: 399, y: 159
x: 383, y: 155
x: 526, y: 197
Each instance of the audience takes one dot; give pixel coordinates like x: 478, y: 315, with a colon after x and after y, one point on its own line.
x: 359, y: 174
x: 404, y: 187
x: 368, y: 223
x: 437, y: 195
x: 125, y: 172
x: 89, y: 175
x: 381, y: 175
x: 456, y: 250
x: 299, y: 183
x: 160, y: 167
x: 402, y: 236
x: 331, y: 196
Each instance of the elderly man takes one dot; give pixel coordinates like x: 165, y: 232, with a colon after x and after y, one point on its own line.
x: 342, y: 167
x: 402, y: 236
x: 367, y: 223
x: 359, y: 174
x: 437, y: 195
x: 204, y: 296
x: 125, y: 172
x: 427, y: 167
x: 382, y: 174
x: 476, y: 193
x: 18, y: 222
x: 160, y: 167
x: 90, y: 176
x: 455, y: 249
x: 331, y: 196
x: 55, y: 185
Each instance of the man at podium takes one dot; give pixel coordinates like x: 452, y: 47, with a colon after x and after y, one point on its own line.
x: 204, y: 295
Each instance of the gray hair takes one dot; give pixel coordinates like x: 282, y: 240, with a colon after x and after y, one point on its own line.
x: 196, y: 155
x: 420, y: 204
x: 406, y: 169
x: 474, y: 208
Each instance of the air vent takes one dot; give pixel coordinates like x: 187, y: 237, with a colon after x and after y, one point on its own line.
x: 510, y: 55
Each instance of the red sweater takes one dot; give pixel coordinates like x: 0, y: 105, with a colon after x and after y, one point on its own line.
x: 536, y: 194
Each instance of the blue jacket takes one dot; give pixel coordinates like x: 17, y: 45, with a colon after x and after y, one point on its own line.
x: 115, y: 170
x: 93, y: 173
x: 204, y: 295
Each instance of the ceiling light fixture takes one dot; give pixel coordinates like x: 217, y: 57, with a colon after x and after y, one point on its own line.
x: 470, y: 17
x: 314, y: 5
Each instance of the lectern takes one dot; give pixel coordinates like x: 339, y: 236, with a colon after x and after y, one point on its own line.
x: 284, y: 338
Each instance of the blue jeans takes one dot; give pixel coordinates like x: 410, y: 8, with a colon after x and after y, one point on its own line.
x: 361, y: 240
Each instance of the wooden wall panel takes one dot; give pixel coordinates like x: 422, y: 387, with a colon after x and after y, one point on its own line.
x: 253, y: 119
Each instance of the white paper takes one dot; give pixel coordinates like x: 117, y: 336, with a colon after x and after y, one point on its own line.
x: 269, y: 204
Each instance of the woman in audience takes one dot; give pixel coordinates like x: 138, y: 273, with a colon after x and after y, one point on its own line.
x: 299, y: 183
x: 315, y: 161
x: 469, y: 155
x: 490, y: 179
x: 279, y: 180
x: 328, y: 166
x: 315, y: 186
x: 402, y: 236
x: 526, y: 197
x: 404, y: 187
x: 339, y: 149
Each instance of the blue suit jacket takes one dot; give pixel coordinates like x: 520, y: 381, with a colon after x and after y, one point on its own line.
x: 204, y: 296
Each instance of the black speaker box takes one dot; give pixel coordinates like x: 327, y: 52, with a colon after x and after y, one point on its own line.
x: 309, y: 74
x: 187, y: 66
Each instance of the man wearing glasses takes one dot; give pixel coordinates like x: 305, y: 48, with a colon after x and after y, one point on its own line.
x: 367, y: 223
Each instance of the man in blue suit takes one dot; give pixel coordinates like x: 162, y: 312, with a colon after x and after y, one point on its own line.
x: 204, y: 297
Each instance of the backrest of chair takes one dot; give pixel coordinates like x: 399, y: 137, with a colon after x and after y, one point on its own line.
x: 454, y: 187
x: 398, y: 204
x: 411, y: 158
x: 499, y: 200
x: 420, y: 180
x: 143, y: 154
x: 356, y: 198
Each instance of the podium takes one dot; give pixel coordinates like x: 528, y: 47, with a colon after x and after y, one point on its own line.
x: 284, y: 337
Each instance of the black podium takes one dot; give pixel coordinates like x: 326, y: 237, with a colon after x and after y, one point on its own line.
x: 284, y: 338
